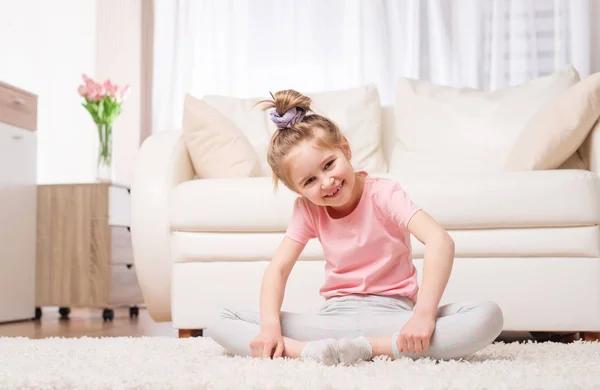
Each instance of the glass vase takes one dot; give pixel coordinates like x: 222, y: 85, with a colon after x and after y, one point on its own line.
x: 104, y: 164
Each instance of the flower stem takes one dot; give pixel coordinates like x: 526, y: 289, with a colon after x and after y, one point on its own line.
x: 104, y: 136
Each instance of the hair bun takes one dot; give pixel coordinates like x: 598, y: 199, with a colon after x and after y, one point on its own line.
x: 289, y: 118
x: 288, y: 107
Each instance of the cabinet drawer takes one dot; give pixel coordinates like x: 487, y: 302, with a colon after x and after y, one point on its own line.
x: 18, y: 107
x: 121, y: 251
x: 125, y: 290
x: 118, y: 206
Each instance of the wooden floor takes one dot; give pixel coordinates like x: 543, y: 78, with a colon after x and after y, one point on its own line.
x: 88, y: 322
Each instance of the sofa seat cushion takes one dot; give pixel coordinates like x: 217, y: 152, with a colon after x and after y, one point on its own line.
x: 556, y: 198
x: 578, y: 241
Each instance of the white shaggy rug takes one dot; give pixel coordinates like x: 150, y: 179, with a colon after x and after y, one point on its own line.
x: 199, y: 363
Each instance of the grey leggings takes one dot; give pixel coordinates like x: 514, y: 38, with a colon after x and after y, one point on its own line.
x: 461, y: 328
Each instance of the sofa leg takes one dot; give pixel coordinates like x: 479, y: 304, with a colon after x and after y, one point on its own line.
x: 591, y: 336
x: 186, y: 333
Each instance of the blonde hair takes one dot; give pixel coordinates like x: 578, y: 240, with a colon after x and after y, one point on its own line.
x: 311, y: 127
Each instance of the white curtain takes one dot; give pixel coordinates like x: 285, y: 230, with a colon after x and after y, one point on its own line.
x: 247, y: 48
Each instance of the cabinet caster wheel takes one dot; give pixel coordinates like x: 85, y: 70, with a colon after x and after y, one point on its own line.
x: 38, y: 313
x: 108, y: 315
x: 134, y: 312
x: 64, y: 313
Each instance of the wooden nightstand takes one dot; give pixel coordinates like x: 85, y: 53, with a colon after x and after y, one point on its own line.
x: 84, y: 255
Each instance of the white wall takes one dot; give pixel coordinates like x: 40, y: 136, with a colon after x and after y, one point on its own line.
x: 44, y: 47
x: 119, y: 27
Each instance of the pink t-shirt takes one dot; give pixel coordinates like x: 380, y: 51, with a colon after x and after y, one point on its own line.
x: 368, y: 251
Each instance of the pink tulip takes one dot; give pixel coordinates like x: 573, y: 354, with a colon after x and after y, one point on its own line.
x: 125, y: 92
x: 108, y: 85
x: 96, y: 91
x: 89, y: 82
x: 82, y: 90
x: 110, y: 88
x: 92, y: 93
x: 114, y: 92
x: 101, y: 91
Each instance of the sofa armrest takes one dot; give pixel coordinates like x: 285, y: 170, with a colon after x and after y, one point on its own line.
x: 590, y: 149
x: 162, y: 163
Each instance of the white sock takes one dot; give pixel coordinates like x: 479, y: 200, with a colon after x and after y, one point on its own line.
x: 354, y: 350
x: 323, y: 351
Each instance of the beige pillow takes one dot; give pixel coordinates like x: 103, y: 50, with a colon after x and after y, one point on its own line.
x: 218, y: 148
x: 251, y: 121
x: 557, y: 130
x: 449, y: 129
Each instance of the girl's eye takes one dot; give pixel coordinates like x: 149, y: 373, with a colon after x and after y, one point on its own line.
x: 309, y: 181
x: 329, y: 164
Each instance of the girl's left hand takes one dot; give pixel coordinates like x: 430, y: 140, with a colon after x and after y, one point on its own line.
x: 416, y: 333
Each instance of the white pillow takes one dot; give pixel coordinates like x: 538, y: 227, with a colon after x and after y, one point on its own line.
x: 357, y: 112
x: 446, y: 129
x: 558, y: 129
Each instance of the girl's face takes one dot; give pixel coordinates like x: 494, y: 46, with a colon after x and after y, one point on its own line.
x: 323, y: 176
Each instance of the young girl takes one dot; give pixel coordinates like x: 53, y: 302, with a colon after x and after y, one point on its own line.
x: 363, y: 224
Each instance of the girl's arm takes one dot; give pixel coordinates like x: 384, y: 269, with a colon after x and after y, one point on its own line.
x: 274, y: 281
x: 438, y: 261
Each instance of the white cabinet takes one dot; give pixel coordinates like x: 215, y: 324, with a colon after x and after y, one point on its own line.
x: 18, y: 199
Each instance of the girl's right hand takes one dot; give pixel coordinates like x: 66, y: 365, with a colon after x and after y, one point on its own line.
x: 267, y: 340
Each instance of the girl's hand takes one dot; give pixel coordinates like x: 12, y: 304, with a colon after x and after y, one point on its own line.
x: 416, y: 333
x: 267, y: 340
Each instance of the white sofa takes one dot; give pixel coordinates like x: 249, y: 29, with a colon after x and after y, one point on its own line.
x: 527, y: 239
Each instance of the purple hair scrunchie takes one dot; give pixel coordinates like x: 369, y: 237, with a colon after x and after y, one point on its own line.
x: 287, y: 120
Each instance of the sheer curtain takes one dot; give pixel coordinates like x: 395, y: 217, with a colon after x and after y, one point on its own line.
x: 247, y: 48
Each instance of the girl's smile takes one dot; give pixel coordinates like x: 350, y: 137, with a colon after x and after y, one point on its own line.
x: 336, y: 191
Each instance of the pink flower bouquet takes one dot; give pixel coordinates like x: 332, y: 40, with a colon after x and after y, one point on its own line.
x: 103, y: 102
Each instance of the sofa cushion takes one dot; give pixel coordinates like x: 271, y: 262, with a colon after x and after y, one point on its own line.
x: 559, y: 128
x: 357, y: 111
x: 251, y: 120
x: 216, y: 146
x: 446, y: 129
x: 557, y: 198
x: 579, y: 241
